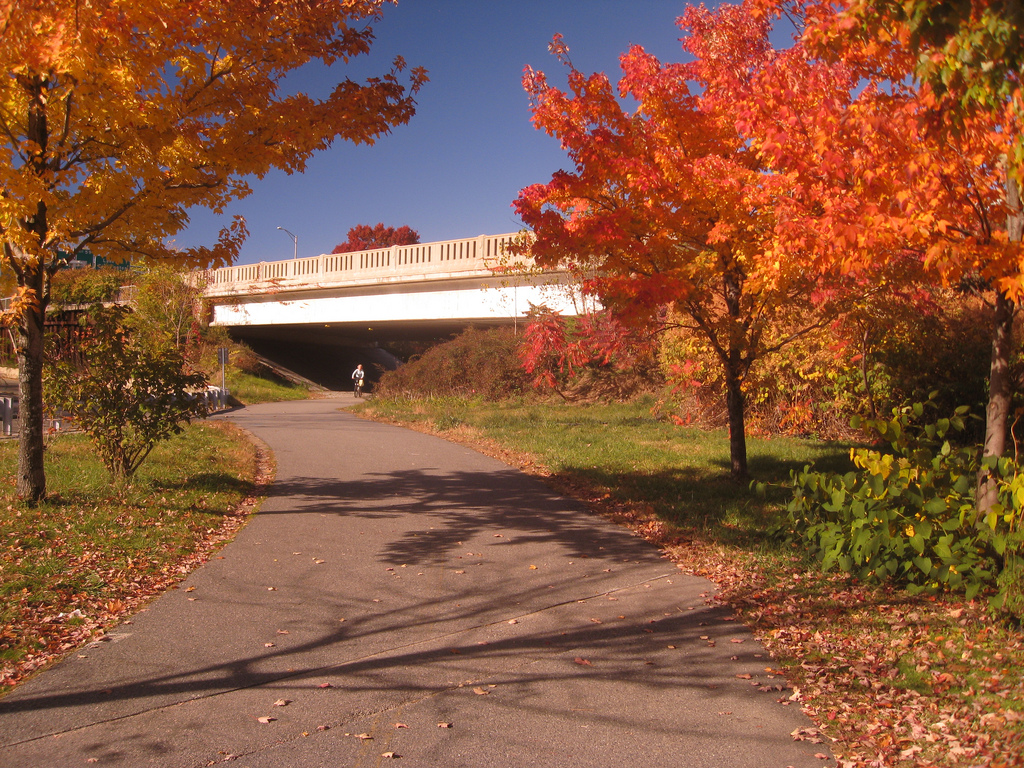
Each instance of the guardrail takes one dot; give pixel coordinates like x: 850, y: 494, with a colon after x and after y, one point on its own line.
x: 422, y: 261
x: 215, y: 398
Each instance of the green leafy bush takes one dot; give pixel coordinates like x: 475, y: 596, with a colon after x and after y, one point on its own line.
x: 908, y: 515
x: 125, y: 395
x: 87, y: 286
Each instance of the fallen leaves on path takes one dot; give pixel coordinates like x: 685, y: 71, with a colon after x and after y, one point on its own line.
x: 890, y: 680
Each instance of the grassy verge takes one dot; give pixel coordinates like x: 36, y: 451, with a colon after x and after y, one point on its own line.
x: 91, y: 553
x: 249, y: 389
x: 890, y: 679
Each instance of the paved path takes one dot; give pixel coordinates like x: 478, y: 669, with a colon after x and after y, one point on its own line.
x: 393, y: 582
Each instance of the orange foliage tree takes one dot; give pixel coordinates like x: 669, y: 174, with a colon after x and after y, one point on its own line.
x: 116, y: 118
x: 671, y: 208
x: 911, y: 167
x: 971, y: 57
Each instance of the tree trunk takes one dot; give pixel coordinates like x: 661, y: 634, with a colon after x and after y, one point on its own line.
x: 33, y: 275
x: 31, y: 485
x: 735, y: 371
x: 1000, y: 385
x: 737, y: 427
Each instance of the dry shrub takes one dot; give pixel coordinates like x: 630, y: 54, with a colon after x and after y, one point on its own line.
x: 476, y: 363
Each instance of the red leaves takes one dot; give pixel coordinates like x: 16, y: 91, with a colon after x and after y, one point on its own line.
x: 363, y: 237
x: 590, y: 351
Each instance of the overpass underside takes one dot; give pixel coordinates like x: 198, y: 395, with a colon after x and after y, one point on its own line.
x: 323, y: 334
x: 344, y: 308
x: 384, y: 313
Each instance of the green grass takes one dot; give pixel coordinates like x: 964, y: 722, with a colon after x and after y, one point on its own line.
x: 77, y: 561
x: 250, y: 390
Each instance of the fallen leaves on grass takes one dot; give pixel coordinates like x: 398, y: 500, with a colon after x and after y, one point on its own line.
x: 86, y: 579
x: 889, y: 679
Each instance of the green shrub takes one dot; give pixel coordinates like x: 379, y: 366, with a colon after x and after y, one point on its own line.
x: 124, y: 394
x: 908, y: 515
x: 87, y: 286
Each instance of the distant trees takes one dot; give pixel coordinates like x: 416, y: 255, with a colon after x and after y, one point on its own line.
x: 363, y: 237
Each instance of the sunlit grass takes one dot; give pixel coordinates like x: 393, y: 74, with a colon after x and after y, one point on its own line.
x: 248, y: 389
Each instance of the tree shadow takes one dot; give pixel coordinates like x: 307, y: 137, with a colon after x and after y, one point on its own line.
x: 457, y: 506
x: 624, y: 647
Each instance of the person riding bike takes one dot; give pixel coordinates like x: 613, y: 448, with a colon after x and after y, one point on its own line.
x: 358, y: 375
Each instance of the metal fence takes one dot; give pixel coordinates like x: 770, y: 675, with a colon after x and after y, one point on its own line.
x: 215, y: 399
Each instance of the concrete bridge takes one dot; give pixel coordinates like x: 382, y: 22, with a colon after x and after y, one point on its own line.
x: 427, y: 287
x: 303, y: 307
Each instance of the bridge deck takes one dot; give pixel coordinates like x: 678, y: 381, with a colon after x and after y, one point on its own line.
x: 476, y: 256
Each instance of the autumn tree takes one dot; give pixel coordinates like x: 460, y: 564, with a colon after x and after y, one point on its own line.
x: 919, y: 165
x: 970, y: 57
x: 668, y: 205
x: 363, y: 237
x: 117, y: 118
x: 591, y: 355
x: 167, y: 305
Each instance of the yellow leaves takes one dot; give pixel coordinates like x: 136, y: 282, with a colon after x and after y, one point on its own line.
x: 874, y: 462
x: 24, y: 301
x: 152, y: 91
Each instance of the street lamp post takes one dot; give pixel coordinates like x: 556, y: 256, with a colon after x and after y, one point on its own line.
x: 295, y: 242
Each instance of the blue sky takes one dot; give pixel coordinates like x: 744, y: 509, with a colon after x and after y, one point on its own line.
x: 455, y: 169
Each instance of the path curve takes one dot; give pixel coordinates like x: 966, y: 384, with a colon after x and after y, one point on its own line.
x: 401, y: 596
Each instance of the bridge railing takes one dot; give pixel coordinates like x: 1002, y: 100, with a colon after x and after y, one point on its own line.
x: 422, y: 261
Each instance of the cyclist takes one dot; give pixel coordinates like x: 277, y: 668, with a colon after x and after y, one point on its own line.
x: 358, y: 375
